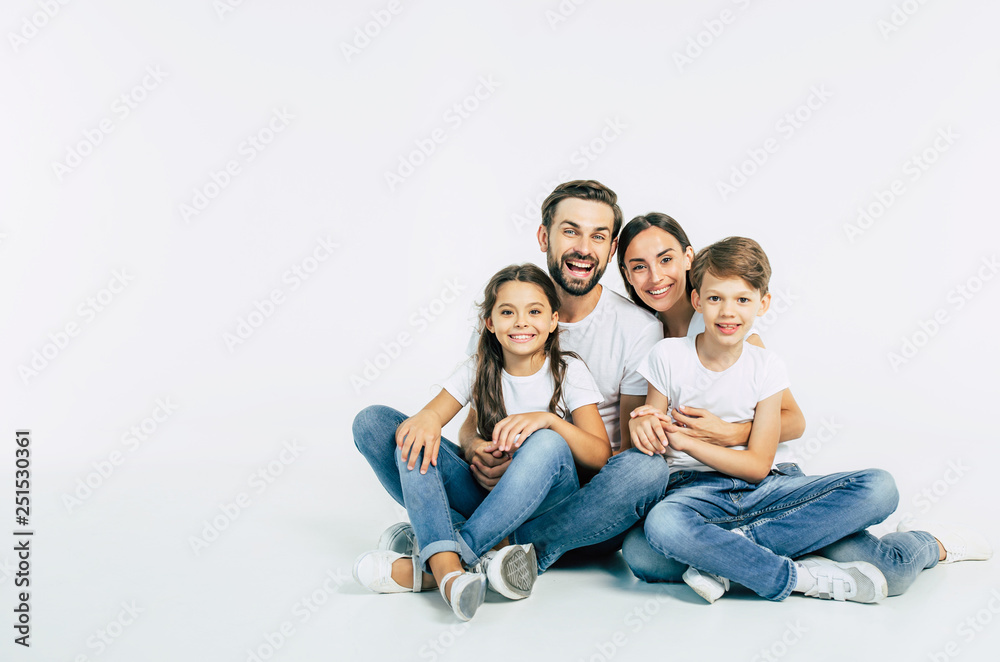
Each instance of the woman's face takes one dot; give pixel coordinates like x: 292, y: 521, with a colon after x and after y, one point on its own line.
x: 656, y: 266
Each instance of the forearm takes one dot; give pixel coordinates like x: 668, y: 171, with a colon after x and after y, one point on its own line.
x: 589, y: 450
x: 749, y: 465
x: 793, y: 422
x: 467, y: 436
x: 627, y: 404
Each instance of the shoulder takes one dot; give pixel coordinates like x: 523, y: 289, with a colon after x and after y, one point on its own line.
x: 763, y: 359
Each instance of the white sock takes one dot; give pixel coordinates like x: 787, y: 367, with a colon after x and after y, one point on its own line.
x: 803, y: 579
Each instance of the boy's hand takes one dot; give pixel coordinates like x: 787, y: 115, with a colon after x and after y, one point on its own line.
x: 420, y: 431
x: 680, y: 441
x: 647, y: 434
x: 511, y: 432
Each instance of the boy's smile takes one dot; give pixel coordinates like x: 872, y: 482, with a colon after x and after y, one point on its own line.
x: 729, y: 306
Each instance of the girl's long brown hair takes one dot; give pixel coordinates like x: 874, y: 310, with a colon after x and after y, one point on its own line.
x: 487, y: 390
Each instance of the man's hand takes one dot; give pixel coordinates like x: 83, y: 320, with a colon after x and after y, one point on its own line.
x: 487, y: 466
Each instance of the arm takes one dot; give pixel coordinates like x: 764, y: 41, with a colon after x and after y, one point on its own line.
x: 752, y: 464
x: 586, y: 436
x: 628, y: 403
x: 423, y: 430
x: 793, y: 422
x: 487, y: 467
x: 646, y: 430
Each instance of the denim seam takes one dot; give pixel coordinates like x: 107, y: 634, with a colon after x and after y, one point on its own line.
x: 785, y: 508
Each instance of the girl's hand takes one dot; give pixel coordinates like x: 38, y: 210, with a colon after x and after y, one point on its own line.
x: 647, y: 434
x: 511, y: 432
x: 421, y: 431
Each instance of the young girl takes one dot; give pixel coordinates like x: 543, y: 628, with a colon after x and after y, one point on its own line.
x: 533, y: 401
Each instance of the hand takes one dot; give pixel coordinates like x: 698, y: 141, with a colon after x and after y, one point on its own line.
x: 422, y: 430
x: 488, y: 466
x: 703, y: 425
x: 511, y: 432
x: 680, y: 441
x: 647, y: 434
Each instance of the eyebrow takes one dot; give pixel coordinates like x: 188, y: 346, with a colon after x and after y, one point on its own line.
x: 510, y: 305
x: 660, y: 254
x: 576, y: 225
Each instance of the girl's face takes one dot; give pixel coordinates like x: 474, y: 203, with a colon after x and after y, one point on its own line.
x: 657, y: 267
x: 522, y: 319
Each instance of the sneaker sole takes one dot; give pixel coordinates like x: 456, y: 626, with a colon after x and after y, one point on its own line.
x: 471, y: 598
x: 516, y: 573
x: 706, y: 588
x: 397, y: 538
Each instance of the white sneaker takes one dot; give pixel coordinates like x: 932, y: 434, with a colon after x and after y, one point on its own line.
x: 961, y: 543
x: 468, y: 592
x: 373, y: 570
x: 397, y: 538
x: 709, y: 586
x: 512, y: 571
x: 856, y: 581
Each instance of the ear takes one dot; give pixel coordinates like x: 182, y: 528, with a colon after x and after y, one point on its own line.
x: 489, y: 325
x: 614, y: 249
x: 688, y: 258
x: 765, y: 303
x: 543, y: 238
x: 555, y: 322
x: 696, y: 300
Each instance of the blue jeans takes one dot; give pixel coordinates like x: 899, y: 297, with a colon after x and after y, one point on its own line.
x: 448, y: 509
x: 620, y: 495
x: 784, y: 516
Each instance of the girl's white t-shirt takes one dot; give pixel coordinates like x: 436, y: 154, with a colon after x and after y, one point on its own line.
x: 674, y: 369
x: 531, y: 393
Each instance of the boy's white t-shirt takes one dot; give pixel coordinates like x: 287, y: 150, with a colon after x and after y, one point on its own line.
x: 524, y: 394
x: 613, y: 340
x: 674, y: 369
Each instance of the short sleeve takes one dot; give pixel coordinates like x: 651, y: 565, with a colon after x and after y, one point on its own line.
x: 459, y: 385
x: 655, y: 368
x: 579, y: 386
x: 775, y: 377
x: 634, y: 383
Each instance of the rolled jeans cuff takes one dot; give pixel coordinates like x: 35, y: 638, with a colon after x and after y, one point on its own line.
x: 433, y: 548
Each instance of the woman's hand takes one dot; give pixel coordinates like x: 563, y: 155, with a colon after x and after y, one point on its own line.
x: 647, y: 432
x: 420, y: 431
x: 511, y: 432
x: 703, y: 425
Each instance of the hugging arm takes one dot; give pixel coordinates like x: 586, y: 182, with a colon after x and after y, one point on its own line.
x: 487, y: 467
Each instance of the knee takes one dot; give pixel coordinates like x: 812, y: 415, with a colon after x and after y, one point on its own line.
x: 372, y: 426
x: 881, y: 487
x: 666, y: 526
x: 644, y: 472
x: 645, y: 562
x: 544, y: 447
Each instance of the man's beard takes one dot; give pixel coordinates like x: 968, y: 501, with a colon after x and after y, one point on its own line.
x: 576, y: 287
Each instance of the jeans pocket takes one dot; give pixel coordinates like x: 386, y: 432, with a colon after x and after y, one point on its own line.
x: 788, y: 469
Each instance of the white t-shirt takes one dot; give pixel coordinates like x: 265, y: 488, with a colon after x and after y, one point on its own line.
x: 524, y: 394
x: 674, y: 369
x: 613, y: 340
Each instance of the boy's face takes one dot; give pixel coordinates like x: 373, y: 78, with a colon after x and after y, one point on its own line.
x: 729, y: 306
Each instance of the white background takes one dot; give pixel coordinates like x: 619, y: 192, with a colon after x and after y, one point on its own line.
x: 467, y: 209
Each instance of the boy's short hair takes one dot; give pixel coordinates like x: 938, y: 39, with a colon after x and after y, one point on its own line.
x: 582, y: 189
x: 733, y: 257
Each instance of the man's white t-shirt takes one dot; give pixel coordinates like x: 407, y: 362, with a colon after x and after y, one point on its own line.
x: 524, y: 394
x: 674, y: 369
x: 613, y: 340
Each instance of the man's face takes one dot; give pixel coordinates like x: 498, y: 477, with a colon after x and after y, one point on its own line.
x: 578, y: 244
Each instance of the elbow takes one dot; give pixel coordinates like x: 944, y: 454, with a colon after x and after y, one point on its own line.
x: 757, y: 474
x: 600, y: 459
x: 796, y: 426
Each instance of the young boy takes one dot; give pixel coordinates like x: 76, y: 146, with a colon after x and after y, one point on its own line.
x: 705, y: 519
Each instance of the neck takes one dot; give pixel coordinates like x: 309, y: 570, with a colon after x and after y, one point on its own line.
x: 574, y: 308
x: 523, y: 366
x: 677, y: 320
x: 716, y: 357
